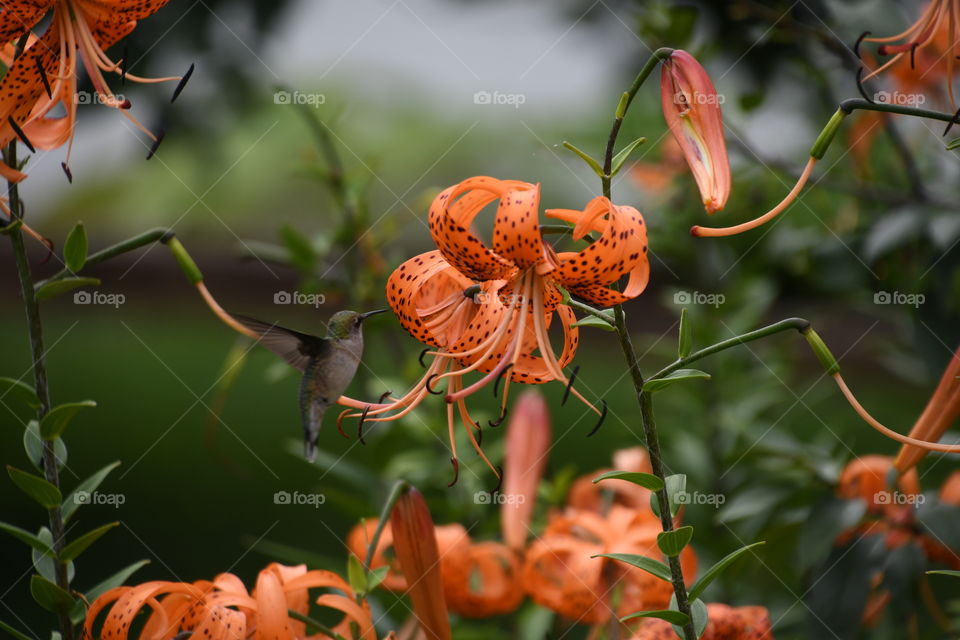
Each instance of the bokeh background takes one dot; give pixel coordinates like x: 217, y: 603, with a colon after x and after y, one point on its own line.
x: 400, y: 87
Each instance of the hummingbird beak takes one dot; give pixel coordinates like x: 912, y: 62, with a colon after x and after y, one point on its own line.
x: 364, y: 316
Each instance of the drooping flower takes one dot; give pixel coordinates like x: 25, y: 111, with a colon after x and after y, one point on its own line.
x: 489, y: 310
x: 560, y: 574
x: 45, y: 74
x: 723, y: 623
x: 528, y: 441
x: 224, y: 610
x: 868, y: 478
x: 691, y: 108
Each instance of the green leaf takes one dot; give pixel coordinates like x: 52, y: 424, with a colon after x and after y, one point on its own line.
x: 45, y: 563
x: 375, y: 577
x: 698, y: 613
x: 75, y: 248
x: 953, y: 144
x: 33, y: 445
x: 299, y: 249
x: 685, y: 342
x: 713, y: 572
x: 944, y: 572
x: 621, y: 157
x: 117, y: 579
x: 675, y: 485
x: 597, y: 169
x: 21, y: 389
x: 63, y: 285
x: 356, y: 575
x: 44, y: 493
x: 54, y: 423
x: 673, y: 542
x: 645, y: 480
x: 13, y: 632
x: 593, y: 321
x: 651, y: 566
x: 71, y: 504
x: 50, y: 596
x: 673, y: 617
x: 25, y: 536
x: 81, y: 544
x: 679, y: 375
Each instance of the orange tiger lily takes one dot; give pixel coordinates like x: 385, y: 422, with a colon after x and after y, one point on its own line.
x: 691, y: 107
x: 560, y: 574
x: 592, y: 496
x: 867, y: 478
x: 723, y: 623
x: 224, y: 610
x: 489, y: 309
x: 45, y: 75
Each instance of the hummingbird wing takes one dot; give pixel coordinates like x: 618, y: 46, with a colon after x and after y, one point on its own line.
x: 294, y: 347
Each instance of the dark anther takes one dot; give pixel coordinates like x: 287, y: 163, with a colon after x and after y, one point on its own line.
x: 456, y: 471
x: 20, y: 134
x: 496, y: 383
x: 363, y: 416
x: 913, y: 55
x: 496, y: 489
x: 183, y: 83
x: 156, y: 144
x: 498, y: 421
x: 954, y: 120
x: 860, y: 88
x: 566, y: 392
x: 856, y: 47
x: 385, y: 395
x: 479, y: 436
x: 66, y: 170
x: 183, y: 635
x: 51, y: 249
x: 423, y: 353
x: 429, y: 388
x: 126, y: 105
x: 603, y: 416
x: 43, y: 76
x: 471, y: 291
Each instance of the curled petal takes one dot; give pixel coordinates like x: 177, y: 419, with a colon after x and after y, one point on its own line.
x: 516, y: 232
x: 273, y: 622
x: 485, y: 583
x: 941, y: 412
x: 528, y: 442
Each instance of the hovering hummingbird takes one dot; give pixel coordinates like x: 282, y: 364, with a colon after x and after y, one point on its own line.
x: 328, y: 364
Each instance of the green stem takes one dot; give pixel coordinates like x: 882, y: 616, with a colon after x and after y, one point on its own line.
x: 317, y: 626
x: 35, y: 330
x: 575, y: 304
x: 136, y: 242
x: 399, y: 488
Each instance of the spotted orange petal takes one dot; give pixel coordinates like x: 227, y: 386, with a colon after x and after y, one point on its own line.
x: 516, y: 231
x: 486, y: 584
x: 19, y: 16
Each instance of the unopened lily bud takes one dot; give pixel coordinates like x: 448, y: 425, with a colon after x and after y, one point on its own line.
x: 941, y: 412
x: 691, y: 107
x: 528, y: 441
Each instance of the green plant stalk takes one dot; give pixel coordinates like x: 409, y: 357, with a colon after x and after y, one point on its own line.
x: 310, y: 622
x: 626, y: 345
x: 399, y: 488
x: 35, y: 331
x: 136, y: 242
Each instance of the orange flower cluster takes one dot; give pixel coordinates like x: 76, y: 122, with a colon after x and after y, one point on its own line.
x: 223, y: 609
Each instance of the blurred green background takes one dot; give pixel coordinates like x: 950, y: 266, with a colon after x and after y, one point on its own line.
x: 240, y: 173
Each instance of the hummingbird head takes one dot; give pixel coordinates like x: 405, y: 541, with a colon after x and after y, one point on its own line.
x: 345, y: 323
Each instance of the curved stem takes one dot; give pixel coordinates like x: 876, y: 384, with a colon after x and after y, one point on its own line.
x: 399, y: 488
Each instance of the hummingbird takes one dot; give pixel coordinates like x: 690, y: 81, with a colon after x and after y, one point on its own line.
x: 328, y: 364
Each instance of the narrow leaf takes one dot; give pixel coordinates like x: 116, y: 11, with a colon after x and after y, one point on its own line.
x: 679, y: 375
x: 676, y: 484
x: 59, y: 287
x: 594, y: 321
x: 673, y: 542
x: 50, y: 596
x: 651, y: 566
x: 356, y: 575
x: 19, y: 389
x: 645, y: 480
x: 621, y: 157
x: 25, y: 536
x: 80, y: 545
x: 944, y: 572
x: 54, y: 423
x: 685, y: 342
x: 597, y: 169
x: 74, y: 500
x: 13, y: 632
x: 717, y: 569
x: 673, y: 617
x: 33, y: 446
x: 75, y: 248
x: 44, y: 493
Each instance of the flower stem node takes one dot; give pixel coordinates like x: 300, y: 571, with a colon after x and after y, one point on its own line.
x: 821, y: 350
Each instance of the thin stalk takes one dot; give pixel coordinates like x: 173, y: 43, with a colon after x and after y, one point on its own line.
x: 318, y: 626
x: 35, y: 331
x: 399, y: 488
x: 136, y: 242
